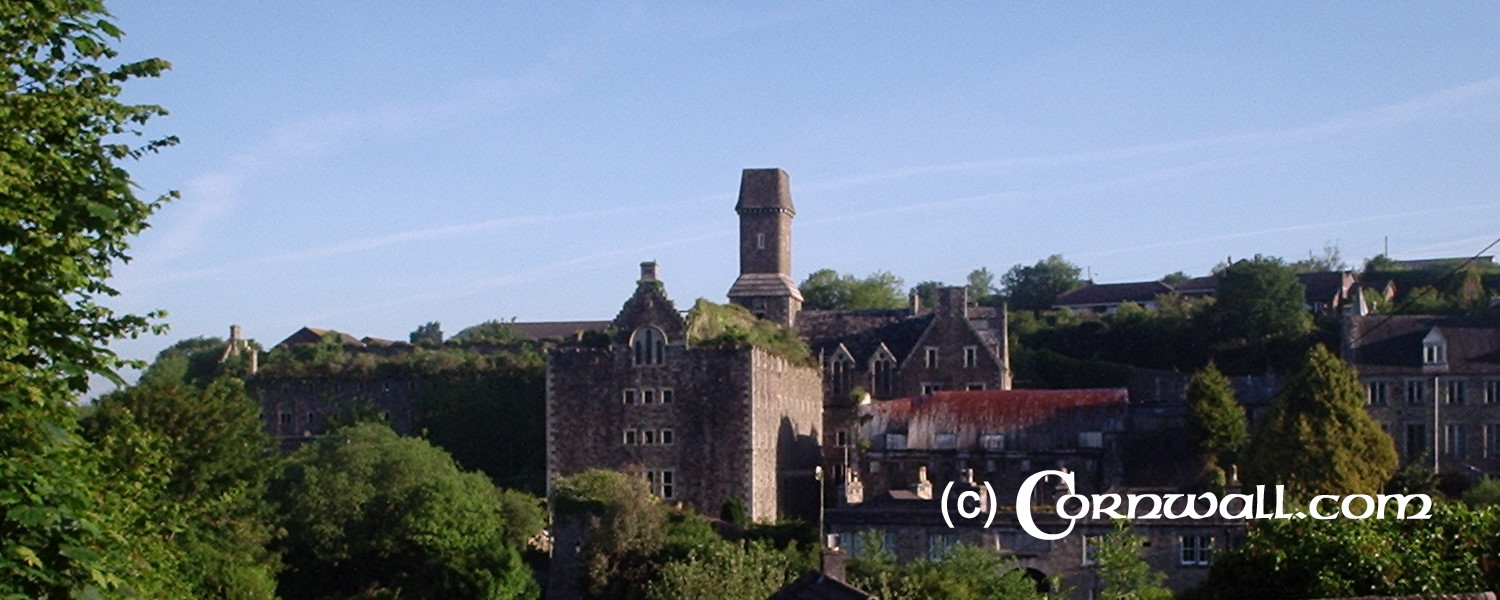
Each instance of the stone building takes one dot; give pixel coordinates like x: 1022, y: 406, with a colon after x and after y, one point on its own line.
x: 1433, y: 383
x: 705, y: 425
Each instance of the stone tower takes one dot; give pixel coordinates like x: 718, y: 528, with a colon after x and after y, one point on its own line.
x: 765, y: 283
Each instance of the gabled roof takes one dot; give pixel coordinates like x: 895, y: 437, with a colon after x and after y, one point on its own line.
x: 1392, y: 344
x: 862, y: 331
x: 1096, y: 294
x: 817, y: 586
x: 1325, y: 286
x: 311, y: 335
x: 1198, y: 286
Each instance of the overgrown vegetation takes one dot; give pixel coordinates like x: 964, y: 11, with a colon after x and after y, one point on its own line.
x: 712, y: 325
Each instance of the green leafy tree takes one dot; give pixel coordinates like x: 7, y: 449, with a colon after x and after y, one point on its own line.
x: 982, y: 288
x: 489, y: 332
x: 742, y: 571
x: 962, y: 572
x: 1317, y: 437
x: 210, y: 460
x: 1453, y: 552
x: 1036, y: 287
x: 1486, y: 493
x: 825, y: 289
x: 1216, y: 422
x: 430, y: 334
x: 1260, y: 300
x: 367, y: 511
x: 926, y: 293
x: 1174, y: 278
x: 1123, y: 574
x: 626, y: 524
x: 67, y: 210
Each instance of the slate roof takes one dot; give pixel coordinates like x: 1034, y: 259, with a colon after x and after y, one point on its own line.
x: 817, y: 586
x: 1198, y: 286
x: 557, y: 329
x: 862, y: 331
x: 1096, y: 294
x: 1392, y: 344
x: 1323, y: 287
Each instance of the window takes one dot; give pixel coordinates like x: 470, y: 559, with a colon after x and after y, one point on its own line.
x: 1453, y: 391
x: 938, y: 545
x: 1491, y: 441
x: 649, y: 346
x: 1197, y: 550
x: 1416, y: 439
x: 308, y: 418
x: 760, y: 241
x: 895, y: 441
x: 662, y: 483
x: 931, y: 357
x: 885, y: 376
x: 1491, y: 391
x: 1455, y: 440
x: 667, y: 396
x: 1434, y: 353
x: 285, y: 418
x: 971, y: 357
x: 975, y: 387
x: 1090, y: 549
x: 666, y: 437
x: 631, y: 437
x: 1413, y: 392
x: 840, y: 373
x: 648, y: 396
x: 838, y: 474
x: 1376, y: 393
x: 945, y: 441
x: 648, y: 437
x: 994, y: 442
x: 930, y: 387
x: 841, y: 438
x: 629, y: 396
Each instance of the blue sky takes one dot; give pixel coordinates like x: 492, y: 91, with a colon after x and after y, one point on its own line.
x: 372, y: 166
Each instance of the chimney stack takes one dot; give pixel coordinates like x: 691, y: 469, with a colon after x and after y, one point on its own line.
x: 648, y: 271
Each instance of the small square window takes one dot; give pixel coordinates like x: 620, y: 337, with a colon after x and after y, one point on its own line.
x: 666, y: 436
x: 285, y: 418
x: 648, y: 396
x: 629, y: 396
x: 931, y: 357
x: 1197, y: 550
x: 971, y: 356
x: 667, y: 396
x: 631, y: 437
x: 841, y: 438
x: 649, y: 437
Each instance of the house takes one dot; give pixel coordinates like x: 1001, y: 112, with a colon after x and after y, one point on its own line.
x: 1106, y: 298
x: 1433, y: 383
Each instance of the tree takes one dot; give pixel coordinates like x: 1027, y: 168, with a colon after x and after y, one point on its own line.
x: 1259, y: 300
x: 982, y: 288
x: 626, y: 527
x: 206, y: 476
x: 1330, y: 260
x: 489, y: 332
x: 1216, y: 422
x: 825, y: 289
x: 67, y: 210
x: 1036, y: 287
x: 1123, y: 574
x: 368, y: 511
x: 1451, y: 553
x: 926, y: 293
x: 745, y: 571
x: 430, y: 334
x: 1174, y: 278
x: 1317, y: 437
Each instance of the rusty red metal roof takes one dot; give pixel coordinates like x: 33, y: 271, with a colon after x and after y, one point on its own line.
x: 1003, y: 407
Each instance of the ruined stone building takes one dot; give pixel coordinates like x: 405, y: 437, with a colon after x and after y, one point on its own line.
x: 704, y: 425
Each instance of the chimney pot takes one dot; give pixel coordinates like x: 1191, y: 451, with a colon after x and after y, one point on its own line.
x: 648, y: 271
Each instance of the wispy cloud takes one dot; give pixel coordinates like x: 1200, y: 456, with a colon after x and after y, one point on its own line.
x: 1438, y: 104
x: 211, y: 197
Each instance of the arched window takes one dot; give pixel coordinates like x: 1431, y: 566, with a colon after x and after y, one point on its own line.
x: 840, y: 374
x: 649, y: 346
x: 885, y: 375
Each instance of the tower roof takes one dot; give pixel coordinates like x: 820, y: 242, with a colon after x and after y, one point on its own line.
x: 763, y: 189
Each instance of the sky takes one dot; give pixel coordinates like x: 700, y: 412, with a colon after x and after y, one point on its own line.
x: 372, y: 166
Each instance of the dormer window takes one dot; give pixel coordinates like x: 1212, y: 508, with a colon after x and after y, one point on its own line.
x: 1434, y: 349
x: 649, y: 346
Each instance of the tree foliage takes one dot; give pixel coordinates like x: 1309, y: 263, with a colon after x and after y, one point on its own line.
x: 731, y: 325
x: 1216, y: 422
x: 429, y: 334
x: 962, y: 572
x: 727, y: 570
x: 1036, y: 287
x: 192, y: 464
x: 1317, y: 437
x: 367, y: 511
x: 1123, y: 574
x: 1260, y: 300
x: 1293, y: 559
x: 825, y: 289
x: 67, y: 209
